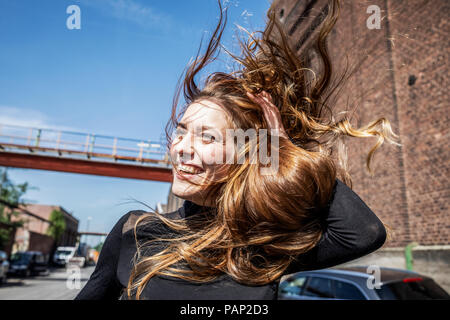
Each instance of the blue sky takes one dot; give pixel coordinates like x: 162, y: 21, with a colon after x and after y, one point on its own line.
x: 115, y: 76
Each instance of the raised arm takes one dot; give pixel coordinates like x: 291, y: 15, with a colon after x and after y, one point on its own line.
x: 352, y: 231
x: 103, y: 284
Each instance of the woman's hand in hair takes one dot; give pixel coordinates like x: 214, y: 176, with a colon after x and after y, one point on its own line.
x: 271, y: 112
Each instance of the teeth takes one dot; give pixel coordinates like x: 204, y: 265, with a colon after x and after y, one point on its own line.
x: 189, y: 169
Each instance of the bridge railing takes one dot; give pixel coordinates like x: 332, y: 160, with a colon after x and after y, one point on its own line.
x: 76, y: 144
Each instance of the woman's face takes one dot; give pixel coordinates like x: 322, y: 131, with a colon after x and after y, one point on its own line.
x: 199, y: 150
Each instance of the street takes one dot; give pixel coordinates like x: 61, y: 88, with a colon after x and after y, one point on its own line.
x: 60, y: 284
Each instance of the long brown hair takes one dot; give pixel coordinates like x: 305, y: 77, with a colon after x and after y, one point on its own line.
x: 260, y: 222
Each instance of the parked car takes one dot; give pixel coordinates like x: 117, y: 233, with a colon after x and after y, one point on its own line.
x: 63, y: 255
x: 352, y: 283
x: 4, y: 267
x: 81, y: 257
x: 26, y: 263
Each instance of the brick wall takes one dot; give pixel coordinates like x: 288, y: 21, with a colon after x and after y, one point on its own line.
x: 40, y: 242
x: 403, y: 76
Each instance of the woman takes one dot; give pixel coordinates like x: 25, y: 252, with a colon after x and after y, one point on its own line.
x: 247, y: 219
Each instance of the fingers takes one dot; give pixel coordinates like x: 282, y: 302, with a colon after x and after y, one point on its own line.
x: 263, y: 98
x: 266, y: 96
x: 250, y: 95
x: 262, y: 94
x: 271, y: 112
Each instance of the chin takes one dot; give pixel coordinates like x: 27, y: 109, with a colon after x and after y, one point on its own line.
x: 181, y: 192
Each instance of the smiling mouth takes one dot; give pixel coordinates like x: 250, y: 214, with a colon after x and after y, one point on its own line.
x: 181, y: 175
x: 189, y: 170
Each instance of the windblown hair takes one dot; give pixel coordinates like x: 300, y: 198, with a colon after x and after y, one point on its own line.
x: 260, y: 223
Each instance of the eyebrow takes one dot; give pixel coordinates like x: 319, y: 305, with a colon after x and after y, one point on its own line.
x: 183, y: 125
x: 204, y: 127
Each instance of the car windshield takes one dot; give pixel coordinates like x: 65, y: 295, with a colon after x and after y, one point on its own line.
x: 20, y: 258
x: 64, y: 252
x: 412, y: 290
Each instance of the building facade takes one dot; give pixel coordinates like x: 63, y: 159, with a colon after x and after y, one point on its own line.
x: 33, y: 235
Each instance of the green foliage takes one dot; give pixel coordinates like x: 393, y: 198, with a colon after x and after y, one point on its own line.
x: 4, y: 237
x: 99, y: 246
x: 10, y: 197
x: 10, y: 192
x: 57, y: 225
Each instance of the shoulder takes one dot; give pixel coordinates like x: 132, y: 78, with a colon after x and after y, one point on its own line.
x: 341, y: 186
x: 345, y: 196
x: 128, y: 220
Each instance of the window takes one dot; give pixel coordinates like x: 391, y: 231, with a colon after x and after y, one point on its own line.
x: 345, y: 290
x: 421, y: 289
x: 319, y: 287
x: 39, y: 258
x: 20, y: 258
x: 293, y: 286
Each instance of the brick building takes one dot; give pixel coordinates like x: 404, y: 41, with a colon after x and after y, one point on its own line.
x: 403, y: 77
x: 33, y: 234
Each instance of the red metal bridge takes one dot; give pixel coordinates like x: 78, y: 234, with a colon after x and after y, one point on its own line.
x: 86, y: 153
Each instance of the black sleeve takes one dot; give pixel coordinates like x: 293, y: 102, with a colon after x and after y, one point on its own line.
x: 103, y: 284
x: 352, y: 230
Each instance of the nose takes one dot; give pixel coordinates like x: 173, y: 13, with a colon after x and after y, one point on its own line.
x: 184, y: 148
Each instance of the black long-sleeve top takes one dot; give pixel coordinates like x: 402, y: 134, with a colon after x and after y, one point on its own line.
x: 352, y: 230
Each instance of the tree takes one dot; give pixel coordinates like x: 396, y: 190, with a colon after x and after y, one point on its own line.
x: 10, y: 197
x: 57, y: 225
x: 98, y: 247
x: 5, y: 234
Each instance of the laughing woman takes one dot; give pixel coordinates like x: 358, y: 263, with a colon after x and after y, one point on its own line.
x: 241, y: 227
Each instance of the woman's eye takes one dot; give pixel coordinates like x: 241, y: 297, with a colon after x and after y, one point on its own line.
x: 209, y: 138
x: 178, y: 133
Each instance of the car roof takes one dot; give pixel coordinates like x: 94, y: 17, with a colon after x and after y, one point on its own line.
x: 386, y: 274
